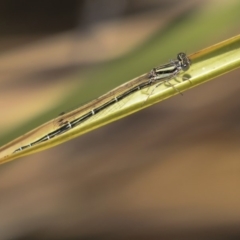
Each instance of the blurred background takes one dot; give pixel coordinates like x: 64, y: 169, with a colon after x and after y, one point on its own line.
x: 171, y: 171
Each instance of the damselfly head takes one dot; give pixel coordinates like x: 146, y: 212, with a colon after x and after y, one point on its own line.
x: 184, y: 61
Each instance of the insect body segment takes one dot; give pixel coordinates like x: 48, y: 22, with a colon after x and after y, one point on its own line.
x: 170, y: 70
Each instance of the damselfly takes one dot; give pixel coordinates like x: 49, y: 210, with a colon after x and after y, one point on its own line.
x: 69, y: 121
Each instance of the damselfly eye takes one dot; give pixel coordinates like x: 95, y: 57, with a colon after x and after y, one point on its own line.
x: 185, y: 66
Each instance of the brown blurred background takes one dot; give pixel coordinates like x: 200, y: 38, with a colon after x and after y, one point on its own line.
x: 171, y: 171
